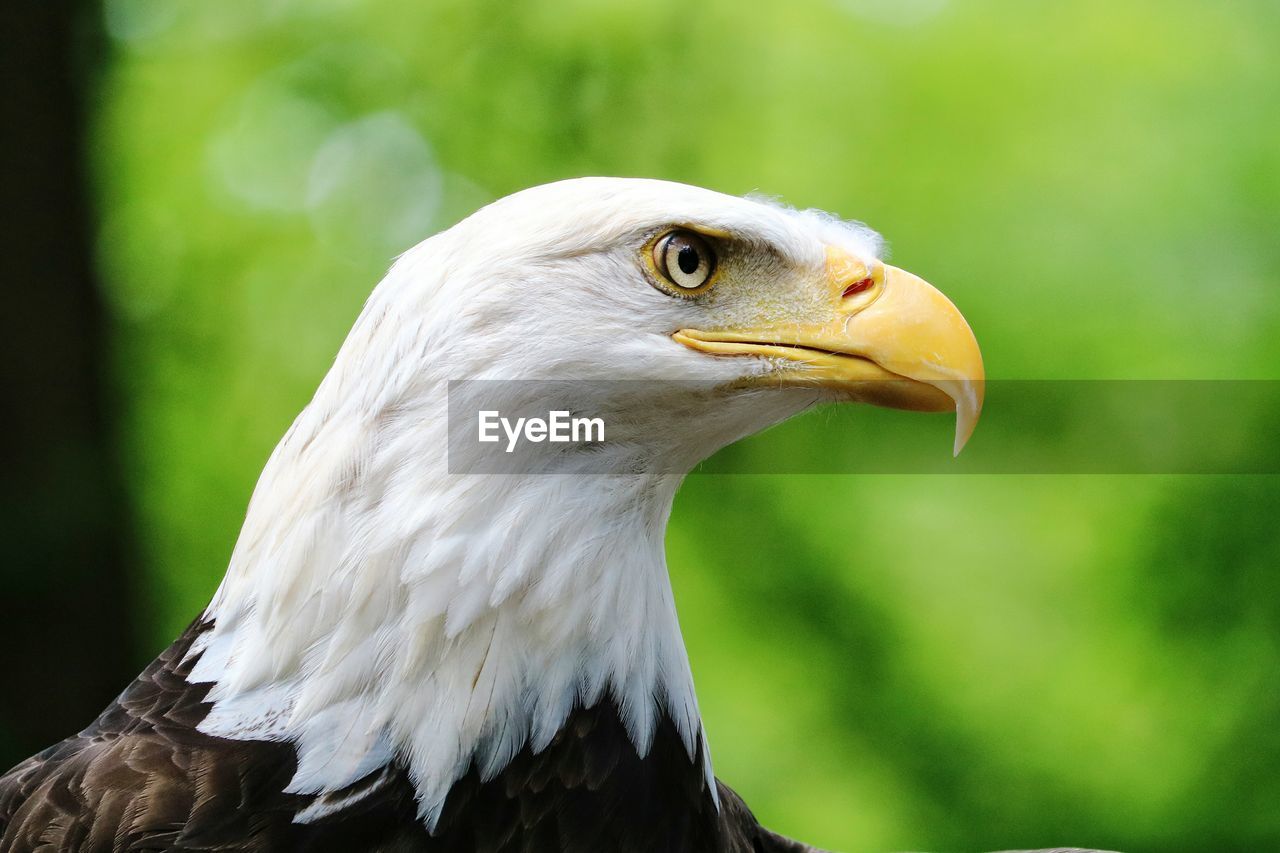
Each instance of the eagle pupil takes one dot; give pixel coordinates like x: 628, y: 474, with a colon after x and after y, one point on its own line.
x: 688, y: 260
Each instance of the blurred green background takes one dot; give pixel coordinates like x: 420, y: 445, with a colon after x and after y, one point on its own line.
x: 884, y: 662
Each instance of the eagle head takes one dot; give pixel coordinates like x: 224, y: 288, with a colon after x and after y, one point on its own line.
x: 722, y: 297
x: 381, y: 608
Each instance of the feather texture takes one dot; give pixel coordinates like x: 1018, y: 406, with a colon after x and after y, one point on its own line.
x: 143, y: 778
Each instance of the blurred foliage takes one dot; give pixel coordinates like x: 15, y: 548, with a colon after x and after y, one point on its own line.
x: 885, y: 662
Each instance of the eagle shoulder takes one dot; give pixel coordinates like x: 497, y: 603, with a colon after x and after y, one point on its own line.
x: 143, y: 777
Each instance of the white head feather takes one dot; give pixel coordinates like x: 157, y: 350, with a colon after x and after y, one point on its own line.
x: 379, y: 607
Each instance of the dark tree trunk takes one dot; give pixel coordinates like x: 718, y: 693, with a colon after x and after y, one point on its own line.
x: 65, y: 628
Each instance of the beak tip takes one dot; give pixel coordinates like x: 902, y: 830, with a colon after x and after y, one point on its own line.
x: 968, y: 408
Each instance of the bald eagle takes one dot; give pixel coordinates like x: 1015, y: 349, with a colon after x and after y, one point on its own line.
x: 402, y: 657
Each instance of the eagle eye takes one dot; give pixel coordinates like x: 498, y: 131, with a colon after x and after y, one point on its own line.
x: 685, y: 259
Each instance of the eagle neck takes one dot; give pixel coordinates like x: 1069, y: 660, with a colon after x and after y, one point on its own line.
x: 447, y: 636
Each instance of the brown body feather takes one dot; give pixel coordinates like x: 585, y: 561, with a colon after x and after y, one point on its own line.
x: 143, y: 778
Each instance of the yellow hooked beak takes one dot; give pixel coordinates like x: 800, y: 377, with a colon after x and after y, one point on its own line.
x: 891, y: 339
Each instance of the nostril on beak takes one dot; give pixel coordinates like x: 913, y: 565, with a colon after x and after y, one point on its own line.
x: 858, y: 287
